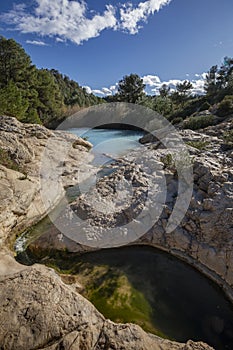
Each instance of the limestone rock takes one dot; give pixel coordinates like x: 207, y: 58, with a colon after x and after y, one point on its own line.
x: 204, y: 237
x: 38, y: 311
x: 20, y: 198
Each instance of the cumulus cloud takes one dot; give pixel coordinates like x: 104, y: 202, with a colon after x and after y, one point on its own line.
x: 88, y: 89
x: 104, y: 91
x: 62, y: 19
x: 132, y: 17
x: 198, y: 84
x: 72, y: 20
x: 153, y: 84
x: 98, y: 92
x: 151, y: 80
x: 36, y: 42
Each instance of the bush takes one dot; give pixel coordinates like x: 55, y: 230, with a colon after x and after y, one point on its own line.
x: 228, y: 139
x: 205, y: 106
x: 177, y: 120
x: 198, y: 122
x: 201, y: 145
x: 225, y: 107
x: 189, y: 108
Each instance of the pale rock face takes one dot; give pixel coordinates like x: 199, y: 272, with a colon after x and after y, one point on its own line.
x: 204, y: 237
x: 20, y: 199
x: 37, y: 310
x: 41, y: 312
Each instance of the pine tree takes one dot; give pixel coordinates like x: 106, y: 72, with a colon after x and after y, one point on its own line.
x: 12, y: 101
x: 211, y: 80
x: 15, y: 64
x: 131, y: 88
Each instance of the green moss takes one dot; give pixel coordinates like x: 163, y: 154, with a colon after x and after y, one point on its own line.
x: 201, y: 145
x: 7, y: 161
x: 117, y: 299
x: 109, y: 289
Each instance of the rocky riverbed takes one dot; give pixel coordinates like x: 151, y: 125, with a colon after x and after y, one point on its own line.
x: 39, y: 311
x: 203, y: 238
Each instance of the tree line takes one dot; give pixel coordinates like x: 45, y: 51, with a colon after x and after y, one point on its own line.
x: 181, y: 102
x: 36, y: 95
x: 46, y: 96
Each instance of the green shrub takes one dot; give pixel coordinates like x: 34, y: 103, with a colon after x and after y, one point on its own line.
x: 225, y: 107
x: 228, y: 138
x: 201, y: 145
x: 167, y: 160
x: 177, y: 120
x: 198, y: 122
x: 205, y: 106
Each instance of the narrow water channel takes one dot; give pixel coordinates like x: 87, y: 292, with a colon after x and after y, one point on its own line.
x: 140, y: 284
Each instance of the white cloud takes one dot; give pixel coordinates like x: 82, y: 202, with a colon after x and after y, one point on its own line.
x: 98, y: 92
x: 103, y: 91
x: 107, y: 91
x: 62, y: 19
x: 113, y: 88
x: 130, y: 17
x: 88, y: 89
x: 154, y: 83
x: 59, y: 40
x: 198, y: 84
x: 72, y: 20
x: 151, y: 80
x: 36, y: 42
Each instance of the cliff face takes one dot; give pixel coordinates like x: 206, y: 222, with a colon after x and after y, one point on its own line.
x: 37, y: 310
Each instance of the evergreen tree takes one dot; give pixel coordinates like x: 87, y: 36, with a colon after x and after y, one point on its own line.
x: 183, y: 92
x: 225, y: 75
x: 164, y: 90
x: 34, y: 95
x: 72, y: 92
x: 12, y: 101
x: 49, y: 96
x: 131, y: 88
x: 15, y: 64
x: 211, y: 80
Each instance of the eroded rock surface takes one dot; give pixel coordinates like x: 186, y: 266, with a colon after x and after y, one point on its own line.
x: 38, y: 311
x: 204, y: 237
x: 20, y: 199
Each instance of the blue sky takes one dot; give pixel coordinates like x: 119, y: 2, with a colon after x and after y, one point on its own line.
x: 98, y: 42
